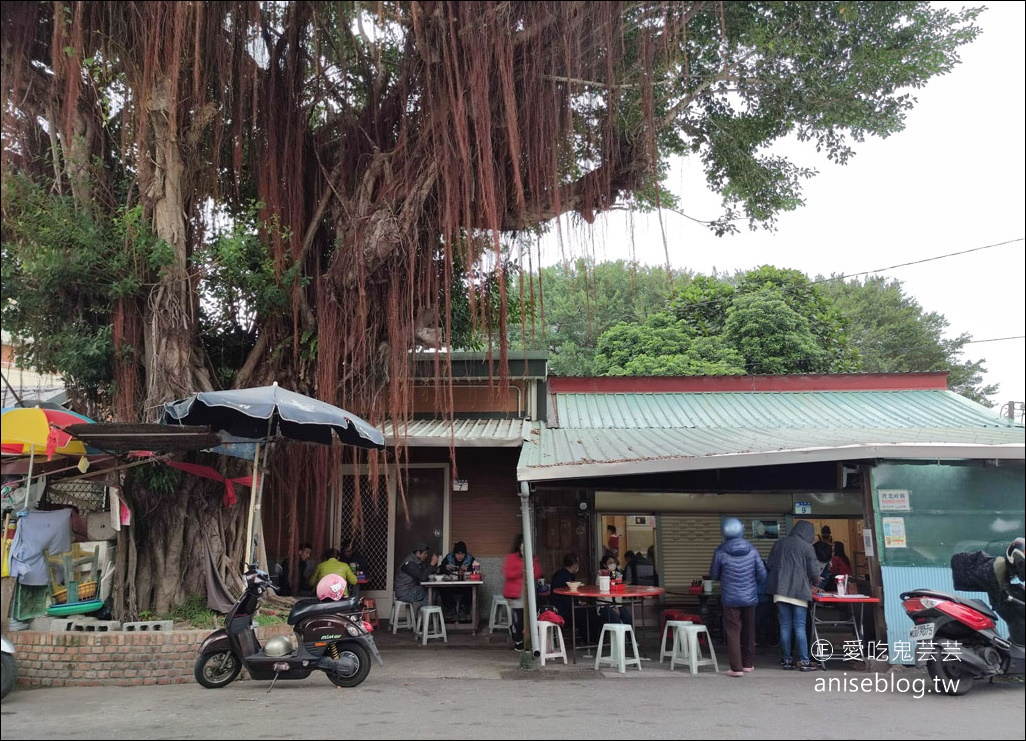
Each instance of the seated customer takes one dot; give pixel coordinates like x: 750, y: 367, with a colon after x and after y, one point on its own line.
x: 351, y: 555
x: 414, y: 569
x: 611, y: 610
x: 562, y: 602
x: 641, y: 572
x: 283, y: 571
x: 456, y: 600
x: 331, y: 565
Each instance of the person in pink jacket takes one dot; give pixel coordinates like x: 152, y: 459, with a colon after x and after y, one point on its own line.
x: 513, y: 589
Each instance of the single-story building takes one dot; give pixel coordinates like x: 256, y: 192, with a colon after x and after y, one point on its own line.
x: 903, y: 471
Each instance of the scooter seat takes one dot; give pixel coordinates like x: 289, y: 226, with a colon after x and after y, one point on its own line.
x: 312, y: 607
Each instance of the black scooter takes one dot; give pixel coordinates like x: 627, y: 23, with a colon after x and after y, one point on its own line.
x: 956, y: 636
x: 330, y: 636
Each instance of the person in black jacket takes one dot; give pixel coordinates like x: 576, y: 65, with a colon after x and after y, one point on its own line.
x: 641, y: 571
x: 562, y: 603
x: 793, y: 571
x: 283, y: 572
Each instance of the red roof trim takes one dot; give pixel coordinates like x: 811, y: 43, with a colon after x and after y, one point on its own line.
x: 699, y: 384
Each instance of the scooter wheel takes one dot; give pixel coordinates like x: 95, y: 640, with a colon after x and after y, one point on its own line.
x: 217, y: 670
x: 949, y: 677
x: 358, y: 654
x: 10, y: 675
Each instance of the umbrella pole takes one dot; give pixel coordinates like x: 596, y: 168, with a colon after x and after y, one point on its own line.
x: 260, y: 553
x: 28, y: 481
x: 253, y: 495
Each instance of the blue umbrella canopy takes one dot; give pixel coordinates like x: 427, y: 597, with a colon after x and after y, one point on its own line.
x: 269, y: 413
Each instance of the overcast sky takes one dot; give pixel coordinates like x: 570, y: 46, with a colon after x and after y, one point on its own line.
x: 952, y: 181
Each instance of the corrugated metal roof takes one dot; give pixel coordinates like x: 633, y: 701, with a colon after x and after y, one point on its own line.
x: 774, y: 410
x: 463, y: 433
x: 617, y: 434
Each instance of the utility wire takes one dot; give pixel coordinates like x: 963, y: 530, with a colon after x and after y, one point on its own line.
x: 725, y: 299
x: 925, y: 259
x: 997, y: 339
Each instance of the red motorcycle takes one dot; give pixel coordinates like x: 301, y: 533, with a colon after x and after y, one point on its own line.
x: 330, y: 636
x: 956, y: 636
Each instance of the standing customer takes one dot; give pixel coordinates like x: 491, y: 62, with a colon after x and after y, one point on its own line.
x: 513, y: 590
x: 793, y: 569
x: 737, y: 566
x: 612, y: 541
x: 839, y: 564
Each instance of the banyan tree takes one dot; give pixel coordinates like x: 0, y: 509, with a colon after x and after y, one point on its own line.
x: 223, y: 194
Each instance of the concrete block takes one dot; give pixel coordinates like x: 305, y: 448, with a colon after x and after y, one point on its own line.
x: 95, y: 626
x: 149, y: 625
x: 48, y: 624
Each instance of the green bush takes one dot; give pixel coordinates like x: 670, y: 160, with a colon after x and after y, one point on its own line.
x: 194, y: 611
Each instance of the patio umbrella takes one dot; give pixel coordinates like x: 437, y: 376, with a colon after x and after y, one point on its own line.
x: 26, y: 429
x: 267, y: 414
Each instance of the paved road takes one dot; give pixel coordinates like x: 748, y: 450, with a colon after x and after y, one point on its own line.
x: 466, y: 692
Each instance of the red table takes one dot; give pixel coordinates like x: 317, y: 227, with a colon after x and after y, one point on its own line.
x: 855, y: 623
x: 591, y: 591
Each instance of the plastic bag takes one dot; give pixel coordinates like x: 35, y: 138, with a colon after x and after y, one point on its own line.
x: 550, y: 616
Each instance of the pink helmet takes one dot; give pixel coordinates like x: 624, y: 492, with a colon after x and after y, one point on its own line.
x: 332, y: 586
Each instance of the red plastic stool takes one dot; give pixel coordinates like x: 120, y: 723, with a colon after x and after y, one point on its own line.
x: 678, y: 615
x: 370, y: 611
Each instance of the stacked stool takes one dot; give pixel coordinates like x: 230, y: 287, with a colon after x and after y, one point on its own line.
x: 674, y: 630
x: 402, y: 616
x: 617, y: 655
x: 430, y: 624
x: 679, y: 615
x: 550, y: 635
x: 694, y: 648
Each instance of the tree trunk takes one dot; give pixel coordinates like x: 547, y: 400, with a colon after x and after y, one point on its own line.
x: 173, y: 369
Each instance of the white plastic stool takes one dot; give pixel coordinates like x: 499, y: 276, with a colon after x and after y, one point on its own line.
x: 428, y: 627
x: 617, y: 655
x: 694, y: 648
x: 679, y: 649
x: 402, y: 616
x: 497, y: 620
x: 549, y: 635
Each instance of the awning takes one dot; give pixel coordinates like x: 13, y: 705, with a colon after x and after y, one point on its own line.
x: 122, y: 438
x: 601, y: 434
x: 571, y: 454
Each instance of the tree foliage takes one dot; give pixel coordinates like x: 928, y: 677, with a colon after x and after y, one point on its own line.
x: 762, y: 321
x: 775, y: 321
x: 577, y: 303
x: 895, y: 335
x: 664, y: 346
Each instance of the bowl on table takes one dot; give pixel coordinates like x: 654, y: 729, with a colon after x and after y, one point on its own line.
x: 573, y: 586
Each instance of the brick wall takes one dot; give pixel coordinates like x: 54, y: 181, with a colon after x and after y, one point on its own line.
x: 119, y: 658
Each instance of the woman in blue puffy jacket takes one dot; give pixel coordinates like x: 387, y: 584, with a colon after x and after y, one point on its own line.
x: 738, y: 567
